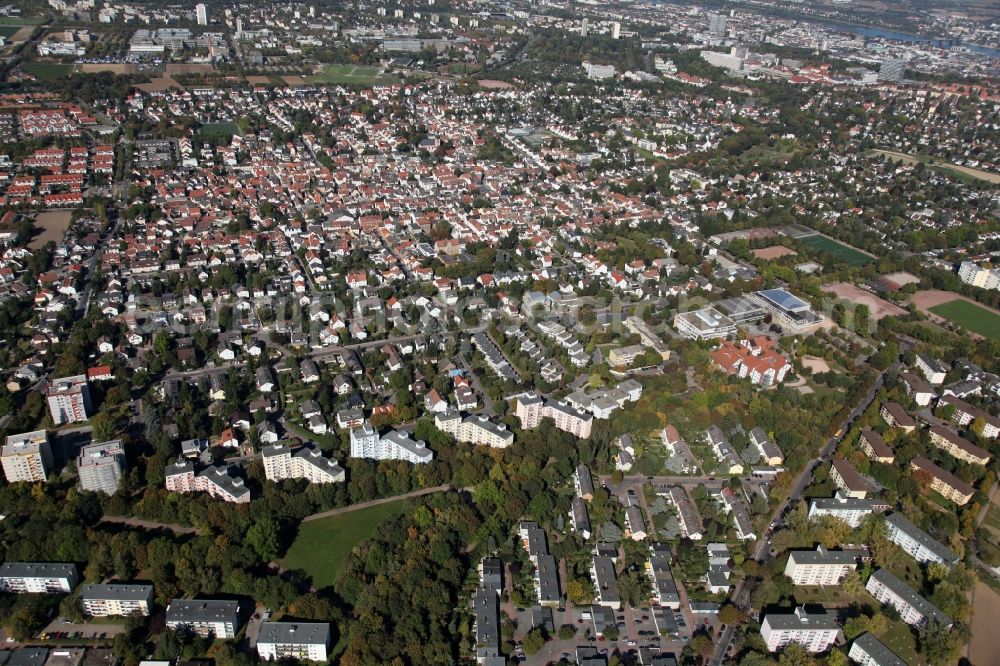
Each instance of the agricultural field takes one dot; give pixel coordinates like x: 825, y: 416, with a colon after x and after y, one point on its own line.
x: 48, y: 71
x: 970, y: 316
x: 322, y: 545
x: 348, y: 75
x: 219, y: 130
x: 845, y: 253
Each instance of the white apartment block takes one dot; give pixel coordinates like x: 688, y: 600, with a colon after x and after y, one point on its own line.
x: 205, y: 617
x: 218, y: 482
x: 816, y: 632
x: 820, y: 566
x: 37, y: 577
x: 116, y: 600
x: 394, y: 445
x: 100, y: 466
x: 912, y: 608
x: 917, y: 543
x: 307, y: 463
x: 27, y: 457
x: 68, y: 399
x: 301, y: 641
x: 850, y: 510
x: 531, y: 409
x: 870, y: 651
x: 475, y: 429
x: 978, y: 276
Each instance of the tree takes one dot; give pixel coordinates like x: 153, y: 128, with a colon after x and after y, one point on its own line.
x: 263, y: 538
x: 729, y: 614
x: 533, y: 641
x: 580, y: 591
x: 939, y: 644
x: 567, y: 632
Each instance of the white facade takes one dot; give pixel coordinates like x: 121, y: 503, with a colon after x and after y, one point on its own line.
x: 306, y: 463
x: 395, y: 445
x: 816, y: 632
x: 37, y: 577
x: 475, y: 429
x: 27, y: 457
x: 302, y: 641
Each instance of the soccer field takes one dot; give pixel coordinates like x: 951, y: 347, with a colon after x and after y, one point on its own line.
x: 845, y: 253
x: 347, y: 75
x: 322, y: 545
x: 970, y: 316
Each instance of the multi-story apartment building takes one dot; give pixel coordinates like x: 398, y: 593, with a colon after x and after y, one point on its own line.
x: 944, y: 482
x: 973, y: 274
x: 848, y: 509
x: 918, y: 388
x: 27, y: 457
x: 958, y: 447
x: 475, y: 429
x: 37, y: 577
x: 912, y: 608
x: 205, y: 617
x: 932, y: 369
x: 116, y: 599
x: 531, y: 409
x: 306, y: 463
x: 820, y: 566
x: 394, y: 445
x: 847, y: 479
x: 917, y: 543
x: 965, y: 414
x: 301, y: 641
x: 219, y: 482
x: 816, y: 632
x: 875, y: 447
x: 894, y: 414
x: 100, y: 466
x: 866, y: 650
x: 69, y: 399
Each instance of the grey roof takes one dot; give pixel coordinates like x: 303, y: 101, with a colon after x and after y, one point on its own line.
x: 487, y: 609
x: 585, y: 479
x: 117, y: 591
x: 823, y: 556
x: 800, y: 619
x: 910, y: 596
x: 607, y: 582
x: 184, y: 611
x: 548, y: 578
x: 900, y: 522
x: 877, y: 650
x: 295, y: 633
x: 37, y: 570
x: 28, y: 656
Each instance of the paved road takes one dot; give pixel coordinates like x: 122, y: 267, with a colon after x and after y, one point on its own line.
x: 741, y: 594
x: 375, y: 502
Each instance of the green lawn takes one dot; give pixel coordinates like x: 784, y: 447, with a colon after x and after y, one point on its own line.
x: 19, y: 20
x: 993, y: 517
x: 322, y: 545
x: 219, y: 129
x: 971, y: 317
x: 8, y: 31
x: 48, y: 71
x: 899, y: 638
x: 844, y: 253
x: 346, y: 75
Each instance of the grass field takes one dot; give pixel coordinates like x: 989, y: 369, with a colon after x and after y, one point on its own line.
x: 845, y: 253
x: 48, y: 71
x: 19, y: 20
x: 8, y: 31
x: 348, y: 75
x: 993, y: 517
x: 219, y: 129
x: 963, y: 173
x: 971, y: 317
x: 322, y: 545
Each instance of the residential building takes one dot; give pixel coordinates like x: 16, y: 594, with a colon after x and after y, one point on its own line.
x: 754, y: 358
x: 850, y: 510
x: 705, y: 324
x: 958, y: 447
x: 875, y: 447
x: 100, y: 466
x: 306, y: 463
x: 665, y: 591
x: 546, y: 580
x: 583, y: 482
x: 116, y: 599
x: 820, y: 566
x: 847, y: 479
x: 531, y: 409
x: 892, y: 70
x: 300, y: 641
x: 635, y: 525
x: 205, y: 617
x: 816, y: 632
x: 944, y: 482
x: 918, y: 388
x: 220, y: 482
x: 475, y: 429
x: 68, y: 399
x: 37, y: 577
x: 27, y: 457
x: 965, y: 414
x: 932, y: 369
x: 486, y: 606
x: 729, y: 462
x: 579, y: 517
x: 394, y: 445
x: 973, y: 274
x: 894, y: 414
x: 741, y: 515
x: 866, y: 650
x: 917, y: 543
x: 913, y: 608
x: 770, y: 454
x: 602, y: 570
x: 691, y: 521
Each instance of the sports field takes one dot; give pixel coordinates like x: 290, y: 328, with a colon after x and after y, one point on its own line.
x: 970, y: 316
x: 322, y: 545
x: 48, y: 71
x: 351, y: 75
x: 844, y: 253
x: 219, y: 129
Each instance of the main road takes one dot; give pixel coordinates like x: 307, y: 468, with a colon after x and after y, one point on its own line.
x: 741, y: 595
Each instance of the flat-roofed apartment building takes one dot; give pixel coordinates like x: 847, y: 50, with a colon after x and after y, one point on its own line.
x: 815, y: 632
x: 27, y: 457
x: 958, y: 447
x: 306, y: 463
x: 705, y: 324
x: 37, y: 577
x: 116, y: 599
x: 531, y: 409
x: 303, y: 641
x: 215, y: 617
x: 100, y: 466
x: 820, y: 566
x: 912, y: 608
x: 850, y: 510
x: 474, y: 429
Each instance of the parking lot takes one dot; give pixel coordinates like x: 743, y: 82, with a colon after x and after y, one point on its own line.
x: 61, y: 629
